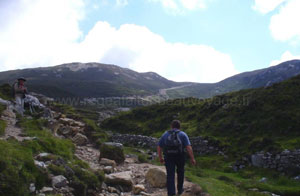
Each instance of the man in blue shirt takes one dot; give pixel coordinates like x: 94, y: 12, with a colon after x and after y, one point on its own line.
x: 175, y: 160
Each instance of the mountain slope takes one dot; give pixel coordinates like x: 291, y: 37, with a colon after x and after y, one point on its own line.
x: 246, y: 80
x: 89, y: 80
x: 101, y: 80
x: 248, y: 120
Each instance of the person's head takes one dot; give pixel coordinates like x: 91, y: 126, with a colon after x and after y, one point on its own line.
x: 175, y: 124
x: 21, y: 80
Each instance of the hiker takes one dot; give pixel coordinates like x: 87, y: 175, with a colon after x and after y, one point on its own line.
x: 173, y: 143
x: 19, y: 92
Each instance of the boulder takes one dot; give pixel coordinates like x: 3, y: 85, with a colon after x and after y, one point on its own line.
x: 65, y: 131
x: 47, y: 190
x: 108, y: 169
x: 59, y: 181
x: 113, y: 151
x: 53, y: 125
x: 121, y: 179
x: 196, y: 190
x: 32, y: 188
x: 71, y: 122
x: 107, y: 162
x: 4, y: 102
x: 80, y: 139
x: 33, y: 101
x: 137, y: 189
x: 44, y: 157
x: 40, y: 164
x: 157, y: 178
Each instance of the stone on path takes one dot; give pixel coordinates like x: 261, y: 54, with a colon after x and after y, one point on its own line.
x: 122, y: 179
x: 157, y: 178
x: 80, y: 139
x: 137, y: 189
x: 113, y: 151
x: 107, y: 162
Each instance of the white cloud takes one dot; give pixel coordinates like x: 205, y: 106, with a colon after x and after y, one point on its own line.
x: 284, y: 23
x: 122, y: 2
x: 38, y: 31
x: 266, y: 6
x: 47, y: 33
x: 285, y: 26
x: 193, y: 4
x: 180, y: 6
x: 286, y: 56
x: 138, y: 48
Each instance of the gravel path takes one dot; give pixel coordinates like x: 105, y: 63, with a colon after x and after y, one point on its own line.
x: 138, y: 170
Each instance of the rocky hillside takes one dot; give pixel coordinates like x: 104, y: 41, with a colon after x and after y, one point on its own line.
x: 89, y: 80
x: 56, y: 151
x: 253, y: 79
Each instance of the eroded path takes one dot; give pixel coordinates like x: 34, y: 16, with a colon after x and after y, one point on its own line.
x: 138, y: 170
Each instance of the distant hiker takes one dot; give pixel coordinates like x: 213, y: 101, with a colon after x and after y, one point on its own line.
x: 19, y: 92
x: 173, y: 143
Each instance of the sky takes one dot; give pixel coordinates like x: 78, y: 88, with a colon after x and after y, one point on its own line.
x: 182, y: 40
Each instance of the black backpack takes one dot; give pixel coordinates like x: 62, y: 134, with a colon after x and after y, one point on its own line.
x: 173, y: 143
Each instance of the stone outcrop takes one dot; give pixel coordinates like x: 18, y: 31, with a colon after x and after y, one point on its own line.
x: 157, y: 178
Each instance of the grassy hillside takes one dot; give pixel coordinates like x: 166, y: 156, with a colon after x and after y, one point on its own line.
x: 246, y: 80
x: 247, y: 121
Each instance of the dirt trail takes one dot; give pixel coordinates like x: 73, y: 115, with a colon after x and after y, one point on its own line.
x: 138, y: 170
x: 163, y: 92
x: 11, y: 130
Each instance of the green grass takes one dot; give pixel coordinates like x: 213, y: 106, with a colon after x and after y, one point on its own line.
x: 2, y: 127
x: 17, y: 169
x: 142, y: 157
x: 213, y: 174
x: 45, y: 141
x: 2, y: 122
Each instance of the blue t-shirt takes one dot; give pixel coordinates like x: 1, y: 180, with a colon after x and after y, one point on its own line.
x: 182, y: 135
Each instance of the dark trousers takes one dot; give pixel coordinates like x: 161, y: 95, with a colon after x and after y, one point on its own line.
x: 171, y: 163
